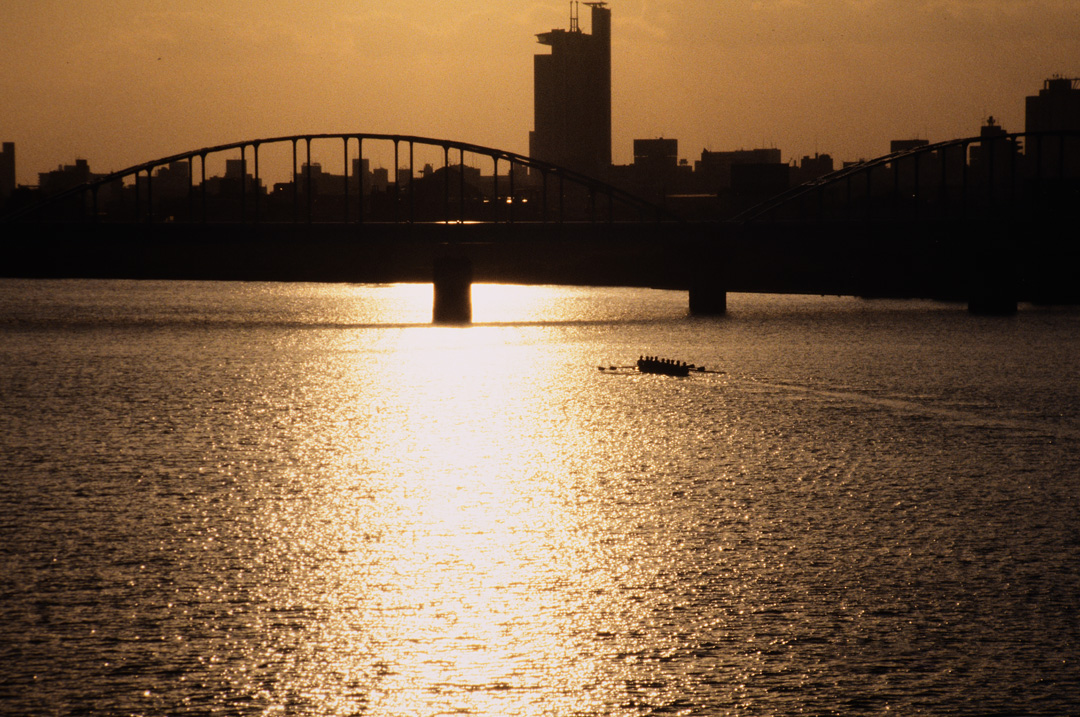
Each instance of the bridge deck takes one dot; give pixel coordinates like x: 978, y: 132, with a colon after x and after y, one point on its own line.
x: 925, y: 259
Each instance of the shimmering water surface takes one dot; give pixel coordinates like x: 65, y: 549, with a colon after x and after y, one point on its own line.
x: 302, y: 499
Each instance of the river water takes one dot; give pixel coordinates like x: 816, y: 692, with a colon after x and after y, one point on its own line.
x: 261, y: 499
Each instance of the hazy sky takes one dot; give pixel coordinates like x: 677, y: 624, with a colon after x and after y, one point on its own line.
x: 120, y: 82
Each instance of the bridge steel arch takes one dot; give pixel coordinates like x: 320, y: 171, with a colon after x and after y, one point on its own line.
x: 550, y: 174
x: 969, y: 178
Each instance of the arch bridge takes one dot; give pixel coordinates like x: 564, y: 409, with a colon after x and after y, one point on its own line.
x: 543, y: 192
x: 988, y: 220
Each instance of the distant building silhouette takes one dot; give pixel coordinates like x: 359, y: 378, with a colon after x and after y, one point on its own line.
x: 715, y: 170
x: 657, y: 156
x: 362, y: 168
x: 237, y: 181
x: 572, y: 95
x: 657, y: 171
x: 64, y: 177
x: 173, y: 180
x: 1055, y: 108
x: 811, y: 168
x: 906, y: 145
x: 322, y: 183
x: 380, y: 179
x: 760, y: 180
x: 905, y: 172
x: 235, y: 168
x: 997, y: 156
x: 7, y: 171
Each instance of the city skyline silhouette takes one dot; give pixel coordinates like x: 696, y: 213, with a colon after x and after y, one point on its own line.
x: 119, y: 85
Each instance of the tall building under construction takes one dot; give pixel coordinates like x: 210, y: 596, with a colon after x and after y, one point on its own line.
x: 572, y: 95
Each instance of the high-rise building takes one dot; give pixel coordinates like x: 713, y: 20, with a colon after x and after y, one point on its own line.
x: 1055, y: 108
x: 572, y: 95
x: 7, y: 170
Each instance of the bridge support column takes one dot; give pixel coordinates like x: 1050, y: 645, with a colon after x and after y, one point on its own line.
x: 992, y: 301
x: 707, y: 298
x: 453, y: 290
x: 992, y: 281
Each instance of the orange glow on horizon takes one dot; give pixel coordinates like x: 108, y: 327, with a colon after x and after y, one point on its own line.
x: 844, y: 78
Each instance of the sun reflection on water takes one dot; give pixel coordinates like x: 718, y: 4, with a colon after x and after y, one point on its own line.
x: 452, y: 549
x: 411, y: 304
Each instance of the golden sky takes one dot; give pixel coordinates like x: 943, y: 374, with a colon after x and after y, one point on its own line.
x: 120, y: 82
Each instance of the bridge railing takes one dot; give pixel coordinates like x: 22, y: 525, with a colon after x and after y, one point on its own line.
x: 520, y: 188
x: 1014, y: 174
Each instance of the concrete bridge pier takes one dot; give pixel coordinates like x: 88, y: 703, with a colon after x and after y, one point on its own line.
x: 708, y: 290
x: 707, y: 299
x: 453, y: 290
x: 704, y: 269
x: 993, y: 301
